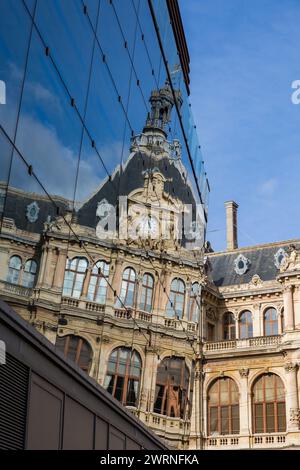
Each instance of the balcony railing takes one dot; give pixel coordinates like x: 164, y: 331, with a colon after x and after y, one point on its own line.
x: 268, y: 440
x: 256, y: 441
x: 165, y: 423
x: 15, y: 289
x: 256, y: 342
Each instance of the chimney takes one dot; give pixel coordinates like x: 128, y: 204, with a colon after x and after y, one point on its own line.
x: 231, y: 224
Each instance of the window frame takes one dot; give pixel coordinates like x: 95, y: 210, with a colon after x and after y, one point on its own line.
x: 231, y: 389
x: 264, y: 404
x: 230, y: 326
x: 80, y: 343
x: 271, y: 322
x: 175, y: 294
x: 147, y: 288
x: 103, y: 276
x: 76, y: 274
x: 248, y: 324
x: 132, y: 354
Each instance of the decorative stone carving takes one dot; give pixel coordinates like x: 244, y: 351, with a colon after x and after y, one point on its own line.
x: 279, y: 257
x: 295, y: 416
x: 32, y: 212
x: 290, y: 367
x: 241, y: 264
x: 211, y: 314
x: 256, y: 280
x: 244, y: 372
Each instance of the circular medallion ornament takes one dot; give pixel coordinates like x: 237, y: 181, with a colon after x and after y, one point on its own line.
x: 241, y: 265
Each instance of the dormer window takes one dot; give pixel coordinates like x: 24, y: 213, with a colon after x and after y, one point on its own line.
x: 241, y: 265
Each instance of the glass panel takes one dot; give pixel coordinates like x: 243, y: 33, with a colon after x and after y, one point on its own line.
x: 213, y: 420
x: 49, y: 129
x: 224, y: 420
x: 15, y: 25
x: 259, y: 422
x: 270, y: 418
x: 74, y: 42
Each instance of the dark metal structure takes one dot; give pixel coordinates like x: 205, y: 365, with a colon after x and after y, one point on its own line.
x: 46, y: 402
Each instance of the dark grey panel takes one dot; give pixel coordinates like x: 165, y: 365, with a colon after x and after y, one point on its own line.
x: 45, y: 415
x: 78, y: 427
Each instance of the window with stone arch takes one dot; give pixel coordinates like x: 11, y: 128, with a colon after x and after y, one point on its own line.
x: 98, y: 282
x: 175, y: 306
x: 194, y: 303
x: 74, y: 277
x: 29, y: 273
x: 268, y: 404
x: 223, y: 416
x: 270, y: 322
x: 76, y: 349
x: 128, y: 289
x: 123, y: 375
x: 245, y: 325
x: 146, y: 298
x: 14, y: 270
x: 172, y: 387
x: 229, y: 331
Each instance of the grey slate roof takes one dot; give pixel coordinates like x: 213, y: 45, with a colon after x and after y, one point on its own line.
x: 262, y: 263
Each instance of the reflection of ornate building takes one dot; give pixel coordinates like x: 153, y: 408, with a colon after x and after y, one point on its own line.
x: 203, y: 347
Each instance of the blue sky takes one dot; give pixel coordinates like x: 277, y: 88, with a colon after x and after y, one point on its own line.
x: 244, y: 57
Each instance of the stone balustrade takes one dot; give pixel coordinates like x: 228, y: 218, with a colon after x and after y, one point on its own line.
x: 256, y: 342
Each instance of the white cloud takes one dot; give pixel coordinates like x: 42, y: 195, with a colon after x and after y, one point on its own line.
x: 268, y: 187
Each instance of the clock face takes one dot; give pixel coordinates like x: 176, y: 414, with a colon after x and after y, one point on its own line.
x: 147, y: 227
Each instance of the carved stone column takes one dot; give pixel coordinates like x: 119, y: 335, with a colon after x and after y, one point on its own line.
x: 291, y: 396
x: 115, y: 281
x: 257, y: 330
x: 43, y: 262
x: 59, y: 273
x: 244, y: 402
x: 288, y: 307
x: 86, y: 282
x: 149, y: 379
x: 165, y: 291
x: 48, y: 270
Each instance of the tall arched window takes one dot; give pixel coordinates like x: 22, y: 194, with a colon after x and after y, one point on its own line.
x: 74, y: 277
x: 147, y: 293
x: 98, y: 282
x: 172, y: 384
x: 223, y: 407
x: 245, y: 325
x: 175, y: 305
x: 194, y: 310
x: 76, y: 349
x: 29, y: 273
x: 270, y: 322
x: 269, y: 404
x: 128, y: 288
x: 123, y: 375
x: 14, y: 270
x: 229, y: 326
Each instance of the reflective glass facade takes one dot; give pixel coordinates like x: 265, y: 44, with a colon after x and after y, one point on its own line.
x: 96, y: 110
x: 78, y: 79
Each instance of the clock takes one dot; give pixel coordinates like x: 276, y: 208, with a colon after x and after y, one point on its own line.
x: 147, y: 227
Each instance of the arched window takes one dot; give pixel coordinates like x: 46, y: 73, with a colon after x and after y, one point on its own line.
x: 74, y: 277
x: 245, y: 325
x: 269, y: 404
x: 194, y: 309
x: 29, y: 273
x: 98, y: 282
x: 175, y: 305
x: 270, y: 322
x: 172, y: 383
x: 123, y: 375
x: 223, y: 407
x: 76, y: 349
x: 128, y: 289
x: 147, y: 293
x: 229, y: 326
x: 14, y: 270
